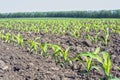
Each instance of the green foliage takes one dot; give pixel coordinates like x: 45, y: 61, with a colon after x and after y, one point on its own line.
x: 94, y: 38
x: 87, y: 59
x: 72, y: 27
x: 33, y: 45
x: 106, y: 64
x: 44, y: 48
x: 66, y: 14
x: 118, y: 68
x: 19, y: 39
x: 64, y: 55
x: 1, y: 35
x: 106, y: 36
x: 7, y: 37
x: 104, y: 61
x: 56, y: 52
x: 13, y: 38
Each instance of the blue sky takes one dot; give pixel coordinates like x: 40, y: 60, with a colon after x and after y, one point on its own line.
x: 56, y: 5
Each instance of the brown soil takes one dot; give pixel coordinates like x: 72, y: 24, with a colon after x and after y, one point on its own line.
x: 19, y: 64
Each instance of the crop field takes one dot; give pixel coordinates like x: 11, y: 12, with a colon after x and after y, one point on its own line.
x: 59, y: 49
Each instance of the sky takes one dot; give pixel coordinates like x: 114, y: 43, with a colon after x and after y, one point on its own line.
x: 7, y: 6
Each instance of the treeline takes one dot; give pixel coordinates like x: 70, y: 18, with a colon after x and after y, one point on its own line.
x: 66, y: 14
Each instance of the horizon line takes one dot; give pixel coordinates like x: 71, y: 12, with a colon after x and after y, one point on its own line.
x: 57, y: 11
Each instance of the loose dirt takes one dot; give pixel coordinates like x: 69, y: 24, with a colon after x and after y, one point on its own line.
x: 17, y: 63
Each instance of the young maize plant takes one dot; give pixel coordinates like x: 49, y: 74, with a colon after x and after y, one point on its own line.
x: 32, y: 45
x: 36, y: 29
x: 1, y: 35
x: 19, y: 39
x: 64, y: 55
x: 56, y: 52
x: 106, y: 36
x: 94, y: 39
x: 12, y: 38
x: 106, y: 64
x: 87, y: 61
x: 7, y: 37
x: 44, y: 48
x: 104, y: 61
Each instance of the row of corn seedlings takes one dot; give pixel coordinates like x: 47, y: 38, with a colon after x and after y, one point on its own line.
x: 60, y: 26
x: 73, y: 27
x: 61, y: 56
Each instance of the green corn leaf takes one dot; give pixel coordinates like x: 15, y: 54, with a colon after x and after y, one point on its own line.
x: 107, y: 63
x: 65, y: 54
x: 97, y: 50
x: 37, y: 38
